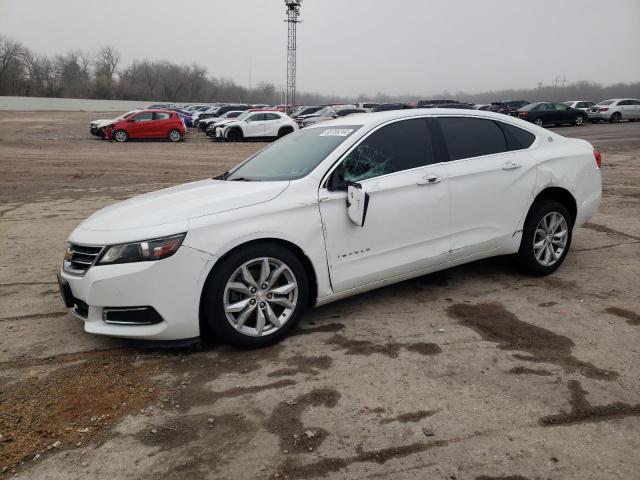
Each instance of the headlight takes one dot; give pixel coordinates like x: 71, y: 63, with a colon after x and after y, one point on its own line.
x: 148, y: 250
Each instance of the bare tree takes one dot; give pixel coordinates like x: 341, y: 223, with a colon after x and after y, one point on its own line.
x: 10, y: 56
x: 107, y: 60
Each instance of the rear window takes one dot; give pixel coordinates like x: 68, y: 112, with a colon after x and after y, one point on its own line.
x: 472, y: 137
x: 517, y: 138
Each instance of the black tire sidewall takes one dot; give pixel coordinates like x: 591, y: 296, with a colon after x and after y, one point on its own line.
x: 234, y: 135
x: 212, y: 311
x: 526, y: 257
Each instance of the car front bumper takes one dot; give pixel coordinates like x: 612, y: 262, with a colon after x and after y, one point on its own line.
x: 171, y: 287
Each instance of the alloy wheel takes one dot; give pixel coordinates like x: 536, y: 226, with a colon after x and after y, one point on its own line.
x: 538, y: 122
x: 550, y: 239
x: 174, y: 135
x: 260, y: 297
x: 121, y: 136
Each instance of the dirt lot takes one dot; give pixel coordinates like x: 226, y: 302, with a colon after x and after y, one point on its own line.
x: 473, y: 373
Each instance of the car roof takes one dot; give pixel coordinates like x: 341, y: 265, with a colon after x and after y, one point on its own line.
x: 372, y: 120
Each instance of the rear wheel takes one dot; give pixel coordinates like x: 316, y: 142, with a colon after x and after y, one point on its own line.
x: 538, y: 121
x: 256, y: 296
x: 120, y: 136
x: 175, y: 135
x: 546, y: 238
x: 616, y: 118
x: 284, y: 131
x: 579, y: 120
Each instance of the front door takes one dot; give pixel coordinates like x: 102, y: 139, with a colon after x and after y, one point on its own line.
x: 140, y: 125
x: 407, y: 220
x: 254, y: 125
x: 491, y: 179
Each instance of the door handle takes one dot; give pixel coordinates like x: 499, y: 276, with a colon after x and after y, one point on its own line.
x: 428, y: 180
x: 510, y: 165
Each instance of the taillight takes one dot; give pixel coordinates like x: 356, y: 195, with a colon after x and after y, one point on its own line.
x: 598, y: 155
x: 523, y: 114
x: 604, y: 109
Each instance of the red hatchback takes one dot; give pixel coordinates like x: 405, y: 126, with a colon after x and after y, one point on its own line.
x: 147, y: 124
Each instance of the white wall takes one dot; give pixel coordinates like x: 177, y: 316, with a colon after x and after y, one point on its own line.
x: 69, y: 104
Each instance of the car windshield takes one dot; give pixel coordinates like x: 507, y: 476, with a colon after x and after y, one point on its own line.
x: 325, y: 111
x: 128, y: 114
x: 606, y: 102
x: 293, y: 156
x: 244, y: 115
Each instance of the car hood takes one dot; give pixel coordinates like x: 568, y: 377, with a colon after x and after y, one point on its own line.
x: 103, y: 122
x: 181, y: 203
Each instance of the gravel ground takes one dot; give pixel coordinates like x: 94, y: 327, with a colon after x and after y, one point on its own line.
x: 473, y: 373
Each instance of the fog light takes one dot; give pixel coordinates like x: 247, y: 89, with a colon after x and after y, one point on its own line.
x: 131, y: 315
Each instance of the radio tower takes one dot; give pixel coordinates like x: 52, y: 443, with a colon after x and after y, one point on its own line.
x: 293, y: 14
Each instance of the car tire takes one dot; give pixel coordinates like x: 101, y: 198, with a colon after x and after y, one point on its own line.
x: 543, y: 248
x: 230, y: 298
x: 580, y: 119
x: 615, y: 117
x: 234, y: 135
x: 538, y: 121
x: 120, y: 136
x: 175, y: 136
x: 284, y: 131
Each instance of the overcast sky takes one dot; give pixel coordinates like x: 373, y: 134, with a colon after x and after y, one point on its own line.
x: 349, y: 47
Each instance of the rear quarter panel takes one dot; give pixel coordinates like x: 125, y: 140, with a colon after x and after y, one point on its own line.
x: 570, y: 164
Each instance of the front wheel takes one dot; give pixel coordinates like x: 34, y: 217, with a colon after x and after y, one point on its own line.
x: 546, y: 238
x: 120, y: 136
x: 234, y: 135
x: 256, y: 296
x: 175, y: 136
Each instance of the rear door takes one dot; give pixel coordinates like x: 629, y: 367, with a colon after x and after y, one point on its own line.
x: 636, y: 109
x: 565, y: 114
x: 272, y: 124
x: 162, y: 121
x: 491, y: 177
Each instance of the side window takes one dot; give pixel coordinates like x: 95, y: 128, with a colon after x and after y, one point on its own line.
x: 560, y: 106
x: 546, y: 106
x: 162, y: 116
x: 400, y: 146
x: 143, y: 117
x: 635, y: 102
x: 271, y: 116
x: 624, y: 103
x: 256, y: 118
x: 517, y: 139
x: 472, y: 137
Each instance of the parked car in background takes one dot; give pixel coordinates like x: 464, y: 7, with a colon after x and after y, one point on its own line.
x: 454, y: 105
x: 96, y: 127
x: 147, y: 124
x: 583, y: 105
x: 204, y: 124
x: 368, y: 106
x: 432, y: 103
x: 344, y: 112
x: 257, y: 125
x: 326, y: 213
x: 546, y: 113
x: 184, y: 115
x: 304, y: 111
x: 160, y: 106
x: 482, y: 106
x: 508, y: 108
x: 386, y: 107
x: 228, y: 117
x: 322, y: 115
x: 615, y: 110
x: 217, y: 112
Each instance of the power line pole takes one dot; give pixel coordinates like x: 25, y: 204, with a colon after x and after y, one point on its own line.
x: 293, y: 14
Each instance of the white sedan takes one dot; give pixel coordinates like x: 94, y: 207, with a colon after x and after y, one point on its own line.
x: 258, y: 125
x: 325, y: 213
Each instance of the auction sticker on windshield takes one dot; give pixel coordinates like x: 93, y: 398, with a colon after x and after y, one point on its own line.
x: 337, y: 132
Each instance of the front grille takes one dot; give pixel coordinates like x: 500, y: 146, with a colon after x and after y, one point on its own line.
x: 80, y: 258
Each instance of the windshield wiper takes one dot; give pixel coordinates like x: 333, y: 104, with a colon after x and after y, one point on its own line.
x: 224, y: 176
x: 241, y: 179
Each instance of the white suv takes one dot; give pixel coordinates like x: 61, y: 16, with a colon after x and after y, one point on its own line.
x: 325, y: 213
x: 257, y: 125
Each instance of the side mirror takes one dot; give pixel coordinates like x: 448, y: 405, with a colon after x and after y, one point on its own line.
x: 357, y: 204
